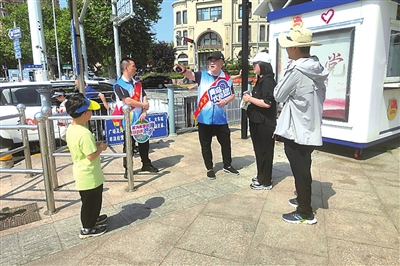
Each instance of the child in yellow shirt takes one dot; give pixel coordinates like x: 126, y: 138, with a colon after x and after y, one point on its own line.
x: 87, y: 170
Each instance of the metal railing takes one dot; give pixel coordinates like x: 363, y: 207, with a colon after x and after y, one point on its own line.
x: 41, y: 127
x: 185, y: 103
x: 24, y: 136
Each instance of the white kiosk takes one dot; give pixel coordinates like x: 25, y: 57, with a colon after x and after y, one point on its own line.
x: 361, y: 48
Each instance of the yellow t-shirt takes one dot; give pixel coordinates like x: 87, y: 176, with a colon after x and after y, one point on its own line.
x: 87, y: 174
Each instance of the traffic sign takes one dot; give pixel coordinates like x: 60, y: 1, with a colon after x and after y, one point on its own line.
x: 14, y: 33
x: 28, y: 66
x: 17, y: 49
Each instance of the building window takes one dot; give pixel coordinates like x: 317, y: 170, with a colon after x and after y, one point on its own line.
x: 183, y: 59
x: 209, y: 13
x: 216, y: 12
x: 178, y: 39
x: 240, y: 34
x: 262, y: 33
x: 241, y: 12
x: 184, y: 16
x: 210, y: 39
x: 185, y: 34
x: 178, y: 18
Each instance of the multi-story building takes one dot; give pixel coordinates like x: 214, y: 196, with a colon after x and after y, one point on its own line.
x: 215, y: 25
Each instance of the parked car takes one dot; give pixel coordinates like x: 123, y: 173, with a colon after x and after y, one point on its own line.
x: 156, y: 81
x: 100, y: 79
x: 14, y: 93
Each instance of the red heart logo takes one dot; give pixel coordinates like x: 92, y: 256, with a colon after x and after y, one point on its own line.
x: 328, y: 15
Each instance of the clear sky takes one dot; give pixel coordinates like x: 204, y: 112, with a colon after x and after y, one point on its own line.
x: 165, y: 26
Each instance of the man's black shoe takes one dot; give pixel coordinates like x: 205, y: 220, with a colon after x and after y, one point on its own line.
x: 149, y: 168
x: 101, y: 219
x: 211, y: 174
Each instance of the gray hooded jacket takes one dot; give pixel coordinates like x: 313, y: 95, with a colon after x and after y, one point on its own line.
x: 302, y: 91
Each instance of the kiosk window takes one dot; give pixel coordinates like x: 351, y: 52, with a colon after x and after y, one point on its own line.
x: 393, y: 67
x: 335, y: 54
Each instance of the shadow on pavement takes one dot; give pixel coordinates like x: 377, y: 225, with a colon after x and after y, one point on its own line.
x: 160, y: 144
x: 169, y: 161
x: 327, y: 192
x: 133, y: 212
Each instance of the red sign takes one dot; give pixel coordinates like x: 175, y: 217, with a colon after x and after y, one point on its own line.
x: 188, y: 40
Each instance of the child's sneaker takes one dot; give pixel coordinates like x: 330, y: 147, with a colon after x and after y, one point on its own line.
x: 95, y: 231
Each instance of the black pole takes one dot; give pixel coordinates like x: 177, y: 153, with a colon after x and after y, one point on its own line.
x: 246, y: 7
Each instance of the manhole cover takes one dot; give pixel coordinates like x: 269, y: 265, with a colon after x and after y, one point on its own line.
x: 13, y: 217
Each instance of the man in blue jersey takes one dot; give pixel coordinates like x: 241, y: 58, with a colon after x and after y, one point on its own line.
x: 215, y: 91
x: 129, y: 91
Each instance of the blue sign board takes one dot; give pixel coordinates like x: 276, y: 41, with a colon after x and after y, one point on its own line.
x: 115, y: 136
x: 160, y: 124
x: 29, y: 66
x: 17, y: 49
x: 14, y: 33
x: 74, y: 48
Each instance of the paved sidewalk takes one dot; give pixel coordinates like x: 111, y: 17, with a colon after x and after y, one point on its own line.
x: 179, y: 217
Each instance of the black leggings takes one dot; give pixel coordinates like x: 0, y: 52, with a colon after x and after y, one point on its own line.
x: 91, y: 206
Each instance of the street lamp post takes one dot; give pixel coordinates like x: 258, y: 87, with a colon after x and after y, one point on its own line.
x: 246, y: 6
x: 55, y: 33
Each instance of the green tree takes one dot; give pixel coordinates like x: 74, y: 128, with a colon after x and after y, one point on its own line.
x: 99, y: 37
x: 136, y: 38
x: 63, y: 35
x: 19, y: 14
x: 163, y: 56
x: 135, y: 35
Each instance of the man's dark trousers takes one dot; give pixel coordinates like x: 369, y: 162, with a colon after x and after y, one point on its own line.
x: 143, y: 151
x: 299, y: 157
x: 223, y: 134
